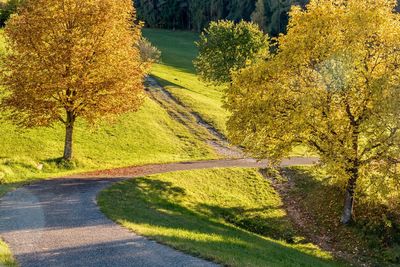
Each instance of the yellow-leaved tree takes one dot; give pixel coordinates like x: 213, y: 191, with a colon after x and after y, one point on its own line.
x: 332, y: 85
x: 71, y: 58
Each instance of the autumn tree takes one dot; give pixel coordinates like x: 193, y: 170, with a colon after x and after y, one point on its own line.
x: 258, y: 16
x: 7, y: 9
x: 334, y: 86
x: 226, y: 46
x: 70, y: 59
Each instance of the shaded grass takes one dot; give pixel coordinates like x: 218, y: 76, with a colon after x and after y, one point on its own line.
x: 178, y: 75
x: 321, y: 201
x: 214, y: 214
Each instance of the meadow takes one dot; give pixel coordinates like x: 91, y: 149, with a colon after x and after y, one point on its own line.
x: 148, y: 136
x: 177, y: 74
x: 230, y: 216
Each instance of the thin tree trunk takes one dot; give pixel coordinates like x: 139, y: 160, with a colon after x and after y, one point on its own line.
x: 347, y: 216
x: 69, y: 130
x: 353, y: 171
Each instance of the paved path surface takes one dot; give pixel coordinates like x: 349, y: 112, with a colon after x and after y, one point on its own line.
x: 57, y: 222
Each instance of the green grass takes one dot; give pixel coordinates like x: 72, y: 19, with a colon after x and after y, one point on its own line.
x: 177, y: 74
x: 6, y: 259
x: 148, y: 136
x: 230, y: 216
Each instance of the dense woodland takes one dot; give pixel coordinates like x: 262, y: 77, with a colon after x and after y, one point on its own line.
x: 271, y: 15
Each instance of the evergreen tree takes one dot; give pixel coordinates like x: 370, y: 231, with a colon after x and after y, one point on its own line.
x: 258, y: 15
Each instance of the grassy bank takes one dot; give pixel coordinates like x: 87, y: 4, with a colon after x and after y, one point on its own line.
x: 148, y: 136
x: 177, y: 74
x: 373, y: 237
x: 230, y: 216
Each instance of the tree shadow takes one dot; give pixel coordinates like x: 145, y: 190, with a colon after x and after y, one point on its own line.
x: 148, y: 202
x: 52, y: 204
x: 254, y: 220
x: 165, y: 83
x: 375, y: 232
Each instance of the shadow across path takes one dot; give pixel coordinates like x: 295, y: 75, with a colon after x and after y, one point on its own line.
x: 58, y: 223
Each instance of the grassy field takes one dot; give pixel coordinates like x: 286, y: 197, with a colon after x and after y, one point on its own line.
x: 230, y: 216
x: 136, y: 138
x: 148, y: 136
x: 177, y: 74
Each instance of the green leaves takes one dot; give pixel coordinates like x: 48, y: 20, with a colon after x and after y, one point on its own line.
x: 225, y: 47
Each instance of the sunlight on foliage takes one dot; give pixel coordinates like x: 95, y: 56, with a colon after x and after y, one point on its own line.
x: 332, y: 86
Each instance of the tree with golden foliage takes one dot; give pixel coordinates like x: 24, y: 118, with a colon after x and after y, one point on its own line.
x: 71, y: 58
x: 332, y: 85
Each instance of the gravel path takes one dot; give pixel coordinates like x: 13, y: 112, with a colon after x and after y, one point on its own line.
x: 57, y: 222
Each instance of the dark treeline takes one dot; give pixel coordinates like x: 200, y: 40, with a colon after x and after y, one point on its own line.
x: 194, y: 15
x: 270, y: 15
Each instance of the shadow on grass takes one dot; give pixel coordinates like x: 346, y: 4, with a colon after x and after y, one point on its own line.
x: 253, y: 221
x: 157, y: 209
x: 375, y: 233
x: 165, y: 83
x: 61, y: 164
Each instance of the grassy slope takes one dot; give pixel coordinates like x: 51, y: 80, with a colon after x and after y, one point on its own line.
x: 136, y: 138
x: 362, y: 243
x: 200, y: 212
x: 177, y: 74
x: 148, y: 136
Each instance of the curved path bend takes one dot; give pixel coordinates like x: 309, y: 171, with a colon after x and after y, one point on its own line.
x: 57, y: 222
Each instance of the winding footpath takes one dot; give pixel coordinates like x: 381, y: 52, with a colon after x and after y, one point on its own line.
x: 57, y: 222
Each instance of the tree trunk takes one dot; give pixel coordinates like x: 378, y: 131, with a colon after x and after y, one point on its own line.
x: 69, y: 130
x: 347, y: 216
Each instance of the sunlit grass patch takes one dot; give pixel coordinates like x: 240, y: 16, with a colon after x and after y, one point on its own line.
x: 6, y: 259
x: 231, y: 216
x: 148, y: 136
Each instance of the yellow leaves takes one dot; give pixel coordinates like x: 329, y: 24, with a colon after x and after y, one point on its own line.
x: 333, y: 81
x: 76, y: 55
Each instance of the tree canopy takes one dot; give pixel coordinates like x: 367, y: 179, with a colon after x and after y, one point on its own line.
x: 226, y: 46
x: 7, y: 9
x: 70, y: 59
x: 197, y: 14
x: 333, y: 86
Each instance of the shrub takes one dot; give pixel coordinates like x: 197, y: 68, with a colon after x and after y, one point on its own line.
x: 225, y: 47
x: 148, y: 52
